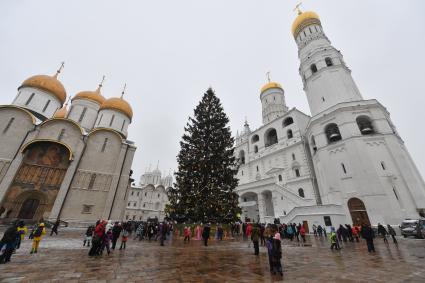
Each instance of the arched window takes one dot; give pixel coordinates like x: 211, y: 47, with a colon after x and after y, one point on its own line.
x: 242, y: 157
x: 301, y: 192
x: 365, y: 125
x: 255, y: 138
x: 313, y: 144
x: 255, y: 148
x: 289, y: 134
x: 332, y: 133
x: 288, y: 121
x: 328, y: 61
x: 270, y: 137
x: 280, y: 178
x: 297, y: 172
x: 313, y: 68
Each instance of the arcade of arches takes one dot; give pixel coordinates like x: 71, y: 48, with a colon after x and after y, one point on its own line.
x: 36, y: 184
x: 257, y: 207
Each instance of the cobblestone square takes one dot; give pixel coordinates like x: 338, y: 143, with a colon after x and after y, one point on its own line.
x: 63, y: 259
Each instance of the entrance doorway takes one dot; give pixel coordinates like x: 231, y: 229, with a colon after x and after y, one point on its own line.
x: 28, y: 208
x: 358, y: 212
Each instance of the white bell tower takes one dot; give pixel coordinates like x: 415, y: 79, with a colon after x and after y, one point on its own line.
x: 326, y: 78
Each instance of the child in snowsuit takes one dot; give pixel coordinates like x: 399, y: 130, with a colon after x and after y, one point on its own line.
x: 38, y: 233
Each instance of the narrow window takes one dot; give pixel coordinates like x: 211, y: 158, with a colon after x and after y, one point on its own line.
x: 60, y: 137
x: 47, y: 105
x: 134, y: 204
x: 242, y: 172
x: 313, y: 68
x: 82, y: 114
x: 158, y: 195
x: 92, y: 179
x: 123, y: 124
x: 8, y: 125
x: 297, y: 172
x: 145, y: 194
x: 101, y: 116
x: 30, y: 98
x: 112, y: 120
x: 280, y: 178
x: 323, y: 99
x: 257, y: 168
x: 104, y: 145
x: 383, y: 165
x: 309, y: 28
x: 274, y: 98
x: 138, y: 193
x: 255, y: 148
x: 293, y: 156
x: 301, y: 192
x: 315, y: 27
x: 343, y: 168
x: 144, y: 205
x: 395, y: 193
x: 132, y: 193
x: 304, y: 33
x: 289, y: 134
x: 328, y: 61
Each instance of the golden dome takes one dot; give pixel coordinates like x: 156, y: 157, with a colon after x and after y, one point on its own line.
x: 47, y: 83
x: 96, y: 96
x: 270, y: 85
x: 61, y: 113
x: 304, y: 19
x: 118, y: 103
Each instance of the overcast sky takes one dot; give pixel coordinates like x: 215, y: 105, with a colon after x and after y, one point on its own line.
x: 170, y: 52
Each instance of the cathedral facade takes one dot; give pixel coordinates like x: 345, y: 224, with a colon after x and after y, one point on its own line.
x: 147, y: 201
x: 346, y: 163
x: 73, y: 164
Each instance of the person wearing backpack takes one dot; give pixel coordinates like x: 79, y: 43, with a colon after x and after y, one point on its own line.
x: 39, y: 232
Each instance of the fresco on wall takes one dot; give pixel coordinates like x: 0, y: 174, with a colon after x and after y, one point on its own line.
x: 37, y: 182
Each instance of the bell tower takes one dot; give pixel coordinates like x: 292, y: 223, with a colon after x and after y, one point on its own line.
x: 326, y: 78
x: 273, y: 101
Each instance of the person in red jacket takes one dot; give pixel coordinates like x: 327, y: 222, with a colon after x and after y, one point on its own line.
x: 99, y: 233
x: 302, y: 233
x: 248, y: 233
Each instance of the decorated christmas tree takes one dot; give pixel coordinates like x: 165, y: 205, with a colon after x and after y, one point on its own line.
x: 205, y: 180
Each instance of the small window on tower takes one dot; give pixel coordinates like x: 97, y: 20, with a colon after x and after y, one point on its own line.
x: 328, y: 61
x: 313, y: 68
x: 257, y: 168
x: 343, y: 168
x: 383, y: 165
x: 255, y: 148
x: 82, y: 114
x: 280, y: 178
x: 293, y: 156
x: 309, y: 28
x: 323, y: 99
x: 297, y: 172
x: 30, y: 98
x: 304, y: 33
x: 315, y: 27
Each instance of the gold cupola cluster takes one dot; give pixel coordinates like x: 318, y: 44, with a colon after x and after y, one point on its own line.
x: 303, y: 20
x: 52, y: 85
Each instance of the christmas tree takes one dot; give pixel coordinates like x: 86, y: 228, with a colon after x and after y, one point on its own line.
x: 205, y: 180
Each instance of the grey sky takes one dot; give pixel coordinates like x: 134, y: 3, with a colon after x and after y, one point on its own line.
x: 170, y: 52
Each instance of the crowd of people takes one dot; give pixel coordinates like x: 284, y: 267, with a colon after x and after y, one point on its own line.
x: 15, y: 234
x: 105, y: 235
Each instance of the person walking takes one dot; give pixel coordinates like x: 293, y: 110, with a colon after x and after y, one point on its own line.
x: 319, y: 231
x: 248, y: 233
x: 55, y: 227
x: 37, y: 236
x: 99, y: 233
x: 355, y: 233
x: 220, y: 232
x: 382, y: 231
x: 392, y: 233
x: 368, y: 235
x: 116, y: 231
x: 206, y: 234
x: 315, y: 230
x: 186, y: 233
x: 106, y: 241
x: 302, y: 233
x: 255, y: 237
x: 277, y: 255
x: 124, y: 238
x: 22, y: 231
x: 163, y: 232
x: 334, y: 240
x: 88, y: 236
x: 9, y: 241
x: 139, y: 232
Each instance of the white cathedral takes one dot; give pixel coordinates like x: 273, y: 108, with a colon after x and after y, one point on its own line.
x: 73, y: 164
x: 346, y: 163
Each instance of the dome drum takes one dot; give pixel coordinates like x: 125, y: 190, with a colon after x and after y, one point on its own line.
x: 303, y: 20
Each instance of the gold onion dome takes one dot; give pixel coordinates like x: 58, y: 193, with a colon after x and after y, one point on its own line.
x: 61, y: 113
x: 118, y: 103
x: 47, y: 83
x: 270, y: 85
x: 304, y: 19
x: 95, y: 96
